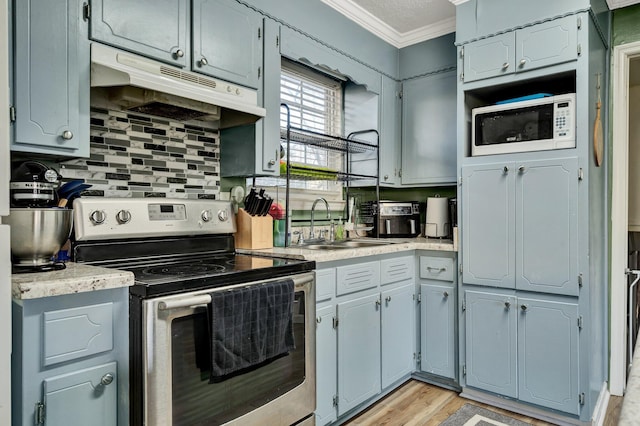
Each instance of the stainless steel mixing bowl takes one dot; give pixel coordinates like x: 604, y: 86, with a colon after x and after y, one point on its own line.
x: 37, y: 233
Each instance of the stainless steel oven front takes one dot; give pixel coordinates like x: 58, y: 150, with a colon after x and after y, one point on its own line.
x: 176, y: 381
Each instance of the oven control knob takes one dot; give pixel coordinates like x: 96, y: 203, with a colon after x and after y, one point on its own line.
x: 206, y: 215
x: 123, y: 216
x: 223, y: 215
x: 97, y: 217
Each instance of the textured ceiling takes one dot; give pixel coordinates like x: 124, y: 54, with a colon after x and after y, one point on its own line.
x: 400, y: 22
x: 408, y: 15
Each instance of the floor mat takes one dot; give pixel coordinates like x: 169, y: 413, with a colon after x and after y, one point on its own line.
x: 472, y: 415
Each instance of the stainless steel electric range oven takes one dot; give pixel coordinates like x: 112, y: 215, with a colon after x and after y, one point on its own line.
x: 216, y: 337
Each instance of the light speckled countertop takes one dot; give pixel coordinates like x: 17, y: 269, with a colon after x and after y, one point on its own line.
x: 75, y: 278
x: 630, y: 413
x: 400, y: 244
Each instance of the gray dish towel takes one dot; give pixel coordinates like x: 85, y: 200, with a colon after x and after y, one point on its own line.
x: 250, y: 327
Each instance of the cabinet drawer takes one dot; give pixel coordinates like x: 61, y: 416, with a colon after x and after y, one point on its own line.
x: 357, y: 277
x: 77, y: 332
x: 325, y: 284
x: 398, y: 269
x: 436, y: 268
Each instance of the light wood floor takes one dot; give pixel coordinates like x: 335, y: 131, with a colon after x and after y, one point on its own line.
x: 420, y: 404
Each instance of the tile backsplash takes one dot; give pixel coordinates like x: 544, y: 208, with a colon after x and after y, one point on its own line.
x: 137, y: 155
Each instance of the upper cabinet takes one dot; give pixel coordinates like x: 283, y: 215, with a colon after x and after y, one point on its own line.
x: 51, y: 79
x: 390, y: 132
x: 429, y: 130
x: 159, y: 30
x: 227, y: 41
x: 525, y: 49
x: 227, y: 37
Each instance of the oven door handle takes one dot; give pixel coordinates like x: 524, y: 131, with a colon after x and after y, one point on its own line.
x: 185, y: 302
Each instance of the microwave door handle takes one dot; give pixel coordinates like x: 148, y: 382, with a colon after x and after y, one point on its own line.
x: 387, y: 225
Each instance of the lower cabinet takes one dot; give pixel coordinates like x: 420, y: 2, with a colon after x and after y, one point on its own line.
x: 70, y: 360
x: 524, y: 348
x: 437, y: 322
x: 365, y: 338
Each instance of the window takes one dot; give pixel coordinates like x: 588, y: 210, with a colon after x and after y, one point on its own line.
x: 315, y: 104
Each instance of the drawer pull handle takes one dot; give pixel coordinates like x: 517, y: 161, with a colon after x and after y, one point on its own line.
x: 432, y: 269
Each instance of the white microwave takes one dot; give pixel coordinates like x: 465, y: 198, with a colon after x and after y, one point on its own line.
x: 538, y: 124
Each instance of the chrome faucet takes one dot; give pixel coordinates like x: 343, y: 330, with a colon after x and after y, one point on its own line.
x: 313, y: 208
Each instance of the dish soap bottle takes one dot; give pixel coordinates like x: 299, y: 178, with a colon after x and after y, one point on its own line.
x: 339, y: 233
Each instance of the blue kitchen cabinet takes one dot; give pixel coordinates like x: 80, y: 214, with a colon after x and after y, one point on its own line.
x: 157, y: 29
x: 227, y: 41
x: 537, y: 46
x: 358, y: 351
x: 70, y: 359
x: 85, y: 397
x: 429, y: 130
x: 548, y: 360
x: 254, y: 149
x: 398, y: 332
x: 491, y: 341
x: 512, y: 238
x: 51, y: 78
x: 390, y: 132
x: 438, y: 328
x: 488, y: 197
x: 326, y: 364
x: 524, y: 348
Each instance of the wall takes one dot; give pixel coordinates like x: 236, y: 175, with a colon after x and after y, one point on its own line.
x: 428, y: 57
x: 625, y: 25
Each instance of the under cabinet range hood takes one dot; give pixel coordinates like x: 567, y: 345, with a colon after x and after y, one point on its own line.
x: 147, y: 86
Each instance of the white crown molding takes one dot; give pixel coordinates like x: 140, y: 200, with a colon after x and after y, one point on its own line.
x: 617, y: 4
x: 379, y: 28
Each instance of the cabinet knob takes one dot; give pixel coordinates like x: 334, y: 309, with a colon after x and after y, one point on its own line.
x: 272, y: 162
x: 378, y: 303
x: 203, y: 62
x: 505, y: 65
x: 319, y: 320
x: 445, y: 294
x: 67, y: 135
x: 522, y: 62
x: 505, y: 170
x: 386, y: 177
x: 507, y: 305
x: 524, y: 308
x: 179, y: 53
x: 521, y: 169
x: 107, y: 379
x: 388, y: 299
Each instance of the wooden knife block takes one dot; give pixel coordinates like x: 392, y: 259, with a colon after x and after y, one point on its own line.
x: 254, y: 232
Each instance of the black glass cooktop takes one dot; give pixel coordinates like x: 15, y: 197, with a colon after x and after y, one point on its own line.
x: 164, y: 276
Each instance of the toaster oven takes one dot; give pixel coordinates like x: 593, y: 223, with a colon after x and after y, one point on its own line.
x: 391, y: 219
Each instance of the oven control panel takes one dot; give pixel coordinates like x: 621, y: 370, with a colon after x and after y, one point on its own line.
x: 113, y: 218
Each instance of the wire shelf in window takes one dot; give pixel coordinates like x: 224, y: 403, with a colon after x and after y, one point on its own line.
x: 325, y: 141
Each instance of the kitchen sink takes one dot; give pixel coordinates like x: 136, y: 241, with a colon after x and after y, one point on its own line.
x: 338, y: 245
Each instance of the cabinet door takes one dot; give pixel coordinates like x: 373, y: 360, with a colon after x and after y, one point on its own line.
x: 89, y: 397
x: 158, y: 29
x: 358, y: 351
x: 490, y: 57
x: 438, y: 330
x: 51, y: 84
x: 227, y: 41
x: 488, y: 225
x: 326, y: 365
x: 270, y: 141
x: 548, y: 361
x: 398, y: 333
x: 491, y: 342
x: 547, y: 44
x: 390, y: 133
x: 429, y: 130
x: 547, y: 226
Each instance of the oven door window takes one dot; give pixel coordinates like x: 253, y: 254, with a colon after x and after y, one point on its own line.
x: 196, y: 402
x: 515, y: 125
